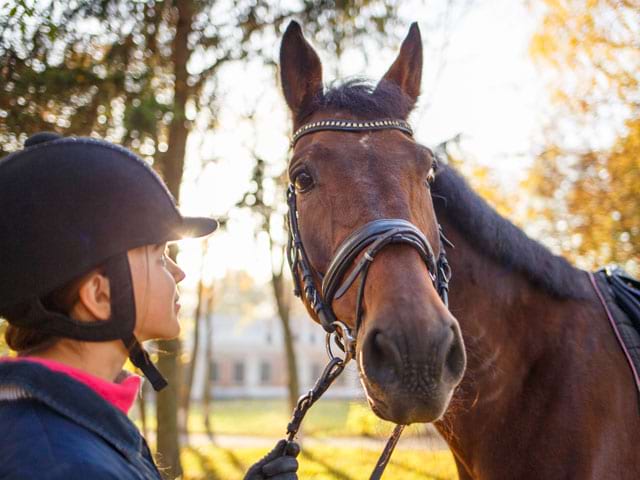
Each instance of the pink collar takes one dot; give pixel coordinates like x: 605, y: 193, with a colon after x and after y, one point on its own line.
x: 121, y: 395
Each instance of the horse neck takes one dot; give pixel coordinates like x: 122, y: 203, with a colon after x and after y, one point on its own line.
x: 507, y: 324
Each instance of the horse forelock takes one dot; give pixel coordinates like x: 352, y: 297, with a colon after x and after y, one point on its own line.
x: 360, y: 98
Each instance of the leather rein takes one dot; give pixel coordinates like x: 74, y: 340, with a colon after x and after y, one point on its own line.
x: 367, y: 240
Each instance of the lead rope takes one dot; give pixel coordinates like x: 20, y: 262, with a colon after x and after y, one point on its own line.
x: 341, y: 337
x: 331, y: 371
x: 385, y: 456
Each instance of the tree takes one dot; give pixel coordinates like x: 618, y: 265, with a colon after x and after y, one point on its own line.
x: 587, y: 174
x: 269, y: 211
x: 208, y: 358
x: 143, y: 74
x: 480, y: 176
x: 203, y: 310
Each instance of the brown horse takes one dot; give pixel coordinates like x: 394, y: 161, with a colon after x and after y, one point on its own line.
x: 546, y: 393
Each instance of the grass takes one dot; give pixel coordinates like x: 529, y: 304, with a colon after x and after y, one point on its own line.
x: 327, y: 418
x: 319, y: 463
x: 269, y: 418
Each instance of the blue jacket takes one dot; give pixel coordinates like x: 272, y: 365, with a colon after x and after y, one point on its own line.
x: 53, y: 427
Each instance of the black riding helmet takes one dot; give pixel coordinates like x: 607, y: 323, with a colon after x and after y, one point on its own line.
x: 68, y: 205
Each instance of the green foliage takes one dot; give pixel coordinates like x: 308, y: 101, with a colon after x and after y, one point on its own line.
x: 144, y: 114
x: 109, y: 68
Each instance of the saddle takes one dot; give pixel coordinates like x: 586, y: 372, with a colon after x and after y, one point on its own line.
x: 620, y: 297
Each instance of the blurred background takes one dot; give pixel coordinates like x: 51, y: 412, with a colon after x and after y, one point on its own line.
x: 535, y: 101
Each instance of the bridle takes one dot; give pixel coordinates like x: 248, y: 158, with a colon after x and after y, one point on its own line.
x: 371, y: 238
x: 367, y: 240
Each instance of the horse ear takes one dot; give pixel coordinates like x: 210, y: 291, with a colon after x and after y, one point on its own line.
x: 300, y: 70
x: 406, y: 71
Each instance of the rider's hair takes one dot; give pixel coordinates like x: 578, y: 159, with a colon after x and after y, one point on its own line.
x: 27, y: 340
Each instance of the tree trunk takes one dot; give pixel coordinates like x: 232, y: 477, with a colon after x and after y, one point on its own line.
x: 292, y: 367
x: 284, y: 308
x: 206, y: 396
x: 188, y: 385
x: 172, y: 164
x: 167, y: 409
x: 172, y: 161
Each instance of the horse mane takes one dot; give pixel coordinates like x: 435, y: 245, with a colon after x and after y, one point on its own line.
x: 363, y: 99
x: 493, y: 234
x: 500, y: 239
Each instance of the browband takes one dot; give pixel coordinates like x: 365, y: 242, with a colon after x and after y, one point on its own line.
x: 350, y: 126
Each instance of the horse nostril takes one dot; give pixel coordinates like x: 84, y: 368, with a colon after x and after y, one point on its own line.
x: 388, y: 349
x: 381, y: 357
x: 455, y: 360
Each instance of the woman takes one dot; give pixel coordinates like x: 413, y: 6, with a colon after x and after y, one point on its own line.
x: 84, y: 280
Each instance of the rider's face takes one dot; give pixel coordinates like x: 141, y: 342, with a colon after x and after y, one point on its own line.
x: 155, y: 277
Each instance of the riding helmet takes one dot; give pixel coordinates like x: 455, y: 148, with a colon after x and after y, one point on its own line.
x: 68, y: 205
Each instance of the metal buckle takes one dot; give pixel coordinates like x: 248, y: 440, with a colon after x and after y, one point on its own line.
x: 343, y: 339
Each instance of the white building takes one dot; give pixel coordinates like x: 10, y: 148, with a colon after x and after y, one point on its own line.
x: 249, y: 360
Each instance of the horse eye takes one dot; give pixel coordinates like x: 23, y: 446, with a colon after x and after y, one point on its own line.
x: 431, y: 176
x: 303, y: 181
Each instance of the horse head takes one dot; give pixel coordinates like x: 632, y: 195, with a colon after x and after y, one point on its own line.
x: 355, y: 166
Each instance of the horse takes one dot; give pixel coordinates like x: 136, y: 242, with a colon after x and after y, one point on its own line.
x: 521, y: 375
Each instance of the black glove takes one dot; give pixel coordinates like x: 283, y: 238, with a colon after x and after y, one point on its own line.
x: 279, y: 464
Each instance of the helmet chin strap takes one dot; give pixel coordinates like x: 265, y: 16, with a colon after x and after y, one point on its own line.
x: 140, y: 358
x: 120, y: 325
x: 123, y: 309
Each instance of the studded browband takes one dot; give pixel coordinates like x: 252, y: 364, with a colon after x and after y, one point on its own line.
x: 350, y: 126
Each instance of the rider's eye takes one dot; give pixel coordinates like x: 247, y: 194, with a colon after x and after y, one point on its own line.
x: 303, y: 181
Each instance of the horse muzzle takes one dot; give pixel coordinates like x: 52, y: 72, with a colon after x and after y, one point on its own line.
x: 409, y: 376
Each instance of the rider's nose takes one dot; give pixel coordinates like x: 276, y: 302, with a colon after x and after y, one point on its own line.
x: 176, y: 271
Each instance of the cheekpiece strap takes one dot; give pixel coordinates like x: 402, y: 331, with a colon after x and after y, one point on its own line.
x: 301, y: 268
x: 351, y: 126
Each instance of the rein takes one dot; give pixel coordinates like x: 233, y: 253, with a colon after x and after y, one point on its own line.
x: 367, y: 240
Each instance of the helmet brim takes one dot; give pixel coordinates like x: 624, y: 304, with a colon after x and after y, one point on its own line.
x: 194, y: 227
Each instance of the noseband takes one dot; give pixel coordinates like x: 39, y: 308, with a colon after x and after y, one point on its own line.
x: 371, y: 238
x: 367, y: 240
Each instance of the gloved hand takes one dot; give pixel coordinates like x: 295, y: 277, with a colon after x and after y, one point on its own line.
x: 279, y: 464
